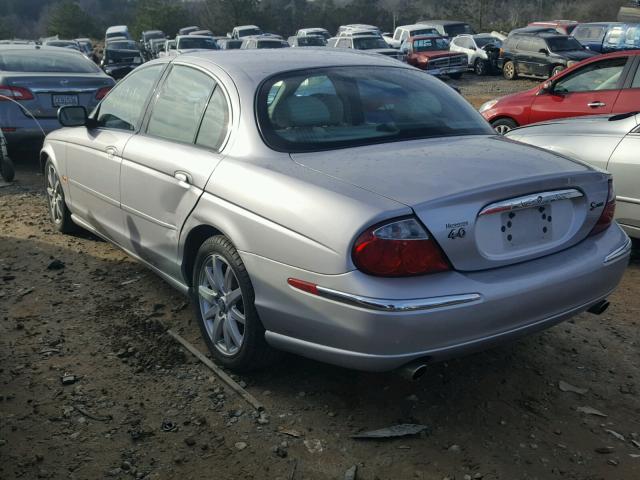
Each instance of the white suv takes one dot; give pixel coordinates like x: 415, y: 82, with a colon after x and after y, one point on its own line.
x: 481, y: 49
x: 407, y: 31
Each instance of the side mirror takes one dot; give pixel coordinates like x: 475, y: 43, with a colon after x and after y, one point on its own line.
x: 544, y: 51
x: 547, y: 87
x: 73, y: 116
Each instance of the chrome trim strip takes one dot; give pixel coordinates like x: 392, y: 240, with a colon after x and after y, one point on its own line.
x: 528, y: 201
x: 389, y: 305
x: 628, y: 200
x: 66, y: 90
x: 618, y: 252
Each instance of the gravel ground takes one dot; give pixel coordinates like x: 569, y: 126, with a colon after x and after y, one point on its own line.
x: 92, y: 387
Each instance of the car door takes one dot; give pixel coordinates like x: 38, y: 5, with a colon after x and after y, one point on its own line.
x: 522, y: 56
x: 94, y: 157
x: 166, y: 167
x: 590, y: 90
x: 624, y: 165
x: 540, y: 65
x: 629, y: 98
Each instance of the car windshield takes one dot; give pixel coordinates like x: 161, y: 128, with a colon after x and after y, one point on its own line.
x: 63, y: 44
x: 430, y: 44
x: 563, y: 44
x: 339, y: 107
x: 123, y: 45
x: 312, y: 41
x: 195, y: 42
x: 152, y: 35
x: 482, y: 42
x: 270, y: 44
x: 45, y: 61
x: 458, y: 29
x: 249, y: 31
x: 369, y: 43
x: 122, y: 56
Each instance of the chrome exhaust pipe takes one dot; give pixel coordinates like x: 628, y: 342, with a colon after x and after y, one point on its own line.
x: 414, y: 370
x: 599, y: 308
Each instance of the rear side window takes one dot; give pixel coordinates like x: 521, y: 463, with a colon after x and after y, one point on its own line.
x: 603, y: 75
x: 215, y: 122
x: 636, y: 79
x: 123, y: 107
x: 589, y: 33
x: 180, y: 104
x: 45, y: 61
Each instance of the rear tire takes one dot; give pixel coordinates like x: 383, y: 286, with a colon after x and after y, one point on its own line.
x: 7, y: 171
x: 223, y: 300
x: 503, y: 125
x: 509, y: 70
x: 58, y: 212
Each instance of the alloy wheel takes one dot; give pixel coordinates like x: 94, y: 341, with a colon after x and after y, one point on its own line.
x: 502, y: 129
x: 55, y: 195
x: 221, y: 305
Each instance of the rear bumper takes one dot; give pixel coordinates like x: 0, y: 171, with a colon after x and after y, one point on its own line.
x: 502, y: 304
x: 28, y: 133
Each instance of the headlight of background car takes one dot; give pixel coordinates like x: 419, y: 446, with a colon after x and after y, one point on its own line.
x: 487, y: 105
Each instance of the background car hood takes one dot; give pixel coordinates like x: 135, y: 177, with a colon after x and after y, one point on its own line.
x: 419, y: 171
x: 437, y: 54
x: 577, y: 54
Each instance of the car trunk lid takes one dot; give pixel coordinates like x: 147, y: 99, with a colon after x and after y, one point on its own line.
x: 494, y: 203
x: 53, y: 90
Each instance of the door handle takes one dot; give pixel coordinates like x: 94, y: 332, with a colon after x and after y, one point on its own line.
x: 596, y: 104
x: 183, y: 178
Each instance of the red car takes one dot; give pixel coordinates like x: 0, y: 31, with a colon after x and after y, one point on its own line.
x: 431, y: 53
x: 606, y: 84
x: 564, y: 27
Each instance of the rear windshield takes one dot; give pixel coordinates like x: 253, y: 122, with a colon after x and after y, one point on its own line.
x: 45, y: 61
x: 424, y: 31
x: 458, y: 29
x: 152, y: 35
x: 563, y: 44
x: 123, y: 45
x: 430, y: 44
x: 338, y: 107
x: 369, y: 43
x: 593, y: 33
x: 249, y: 31
x: 204, y: 43
x: 311, y: 41
x: 482, y: 42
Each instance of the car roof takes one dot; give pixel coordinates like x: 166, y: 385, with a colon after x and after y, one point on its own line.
x: 442, y: 22
x: 245, y: 27
x: 117, y: 28
x: 264, y: 63
x: 413, y: 26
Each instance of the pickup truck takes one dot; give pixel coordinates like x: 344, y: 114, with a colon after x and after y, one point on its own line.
x: 245, y: 31
x: 432, y: 54
x: 404, y: 32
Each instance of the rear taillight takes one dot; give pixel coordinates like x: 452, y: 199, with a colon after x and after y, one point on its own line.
x: 609, y: 211
x: 8, y: 93
x: 398, y: 248
x: 501, y: 52
x: 100, y: 94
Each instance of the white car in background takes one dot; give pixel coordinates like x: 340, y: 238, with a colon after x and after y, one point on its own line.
x: 478, y: 49
x: 407, y: 31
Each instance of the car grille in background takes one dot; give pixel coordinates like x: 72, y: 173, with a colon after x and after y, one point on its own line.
x: 453, y: 61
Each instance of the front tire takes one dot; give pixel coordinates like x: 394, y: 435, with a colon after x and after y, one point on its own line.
x: 58, y: 212
x: 509, y: 70
x: 223, y: 300
x: 503, y: 125
x: 480, y: 67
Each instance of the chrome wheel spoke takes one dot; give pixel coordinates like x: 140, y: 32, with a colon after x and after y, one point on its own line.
x: 207, y: 295
x: 227, y: 337
x: 208, y: 271
x: 234, y: 333
x: 232, y: 297
x: 236, y: 316
x: 218, y: 274
x: 211, y: 313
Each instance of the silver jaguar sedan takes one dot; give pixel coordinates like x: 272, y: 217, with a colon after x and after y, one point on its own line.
x: 338, y: 205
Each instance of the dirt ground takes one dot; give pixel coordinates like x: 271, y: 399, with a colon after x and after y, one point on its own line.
x: 137, y: 406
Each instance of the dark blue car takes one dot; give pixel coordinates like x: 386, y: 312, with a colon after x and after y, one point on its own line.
x: 608, y: 36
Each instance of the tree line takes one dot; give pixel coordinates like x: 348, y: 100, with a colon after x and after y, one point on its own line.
x: 75, y: 18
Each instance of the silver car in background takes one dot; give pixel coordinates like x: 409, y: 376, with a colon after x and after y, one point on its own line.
x: 609, y: 142
x: 35, y: 81
x: 343, y: 206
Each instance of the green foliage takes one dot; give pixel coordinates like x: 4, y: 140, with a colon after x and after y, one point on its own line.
x: 166, y: 15
x: 68, y: 20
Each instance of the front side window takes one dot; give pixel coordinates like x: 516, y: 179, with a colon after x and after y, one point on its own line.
x: 124, y: 106
x: 340, y: 107
x: 636, y: 80
x: 180, y: 104
x: 603, y: 75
